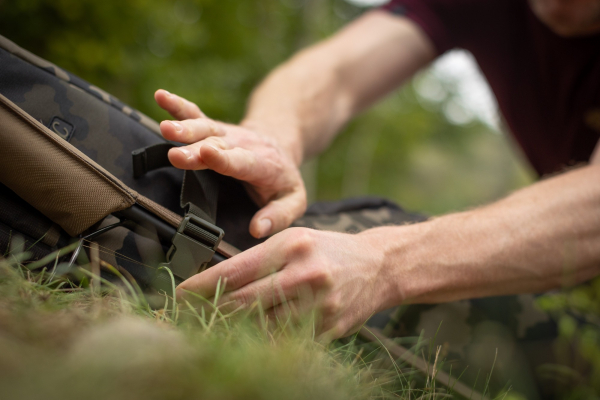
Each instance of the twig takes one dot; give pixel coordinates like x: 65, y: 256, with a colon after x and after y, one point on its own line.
x: 374, y: 335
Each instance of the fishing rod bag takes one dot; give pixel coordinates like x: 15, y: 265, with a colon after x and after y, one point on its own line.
x: 78, y: 165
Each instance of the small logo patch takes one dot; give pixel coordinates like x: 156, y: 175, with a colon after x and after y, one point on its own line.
x: 62, y: 128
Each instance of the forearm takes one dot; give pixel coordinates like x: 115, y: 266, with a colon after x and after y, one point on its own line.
x: 539, y: 238
x: 307, y: 100
x: 301, y: 104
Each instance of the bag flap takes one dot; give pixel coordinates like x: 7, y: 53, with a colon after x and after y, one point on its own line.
x: 53, y: 176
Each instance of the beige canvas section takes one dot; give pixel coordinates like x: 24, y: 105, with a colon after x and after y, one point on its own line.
x: 53, y: 176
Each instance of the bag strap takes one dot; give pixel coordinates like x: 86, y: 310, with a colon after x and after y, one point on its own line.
x: 197, y: 238
x: 199, y: 192
x: 150, y: 158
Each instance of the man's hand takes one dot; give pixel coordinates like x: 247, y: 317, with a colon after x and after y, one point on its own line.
x: 341, y: 276
x: 273, y: 180
x: 297, y: 111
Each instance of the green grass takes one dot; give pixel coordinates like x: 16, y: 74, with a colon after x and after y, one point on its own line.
x: 59, y: 340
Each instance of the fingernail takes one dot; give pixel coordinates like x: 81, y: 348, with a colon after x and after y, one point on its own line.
x: 186, y: 153
x: 178, y: 127
x: 264, y: 227
x: 167, y: 92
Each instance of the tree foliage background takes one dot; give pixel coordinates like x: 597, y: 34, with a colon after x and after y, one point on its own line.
x: 214, y: 52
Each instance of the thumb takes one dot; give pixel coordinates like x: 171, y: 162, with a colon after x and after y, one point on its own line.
x: 279, y: 214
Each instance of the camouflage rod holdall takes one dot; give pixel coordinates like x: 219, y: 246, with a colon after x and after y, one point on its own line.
x: 77, y: 163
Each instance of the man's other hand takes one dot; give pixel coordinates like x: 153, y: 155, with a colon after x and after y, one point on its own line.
x: 340, y: 276
x: 273, y: 180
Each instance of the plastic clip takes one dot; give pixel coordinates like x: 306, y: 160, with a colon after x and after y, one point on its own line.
x: 193, y: 246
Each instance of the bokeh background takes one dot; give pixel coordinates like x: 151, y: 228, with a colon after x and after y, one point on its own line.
x: 434, y: 146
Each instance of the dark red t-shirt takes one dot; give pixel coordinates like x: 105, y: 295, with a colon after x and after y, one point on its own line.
x: 547, y: 86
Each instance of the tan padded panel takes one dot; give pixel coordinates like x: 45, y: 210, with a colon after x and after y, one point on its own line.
x: 53, y: 176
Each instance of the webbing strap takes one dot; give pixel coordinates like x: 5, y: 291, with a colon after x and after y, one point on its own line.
x: 150, y: 158
x: 194, y: 246
x: 197, y: 238
x: 199, y: 192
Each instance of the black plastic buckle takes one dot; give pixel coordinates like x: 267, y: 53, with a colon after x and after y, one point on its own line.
x: 194, y: 246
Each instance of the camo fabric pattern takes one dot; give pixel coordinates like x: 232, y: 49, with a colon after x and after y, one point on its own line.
x: 355, y: 215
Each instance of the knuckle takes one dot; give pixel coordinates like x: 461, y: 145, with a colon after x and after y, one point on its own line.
x: 242, y: 297
x: 180, y: 106
x: 327, y: 310
x: 271, y: 152
x: 234, y: 276
x: 213, y: 129
x: 321, y: 277
x: 217, y: 141
x: 332, y: 306
x: 302, y: 240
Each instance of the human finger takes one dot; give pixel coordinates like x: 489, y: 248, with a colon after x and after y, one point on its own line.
x: 329, y: 332
x: 190, y: 130
x: 267, y: 292
x: 238, y: 163
x: 254, y: 263
x: 189, y: 158
x: 279, y: 214
x: 177, y: 106
x: 295, y: 310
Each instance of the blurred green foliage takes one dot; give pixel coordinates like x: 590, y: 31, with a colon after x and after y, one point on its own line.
x: 577, y: 372
x: 214, y: 52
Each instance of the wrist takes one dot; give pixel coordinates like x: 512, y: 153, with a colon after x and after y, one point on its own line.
x: 450, y: 258
x: 416, y: 262
x: 394, y: 251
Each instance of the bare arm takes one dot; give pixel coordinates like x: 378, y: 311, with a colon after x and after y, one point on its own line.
x: 539, y: 238
x: 307, y: 100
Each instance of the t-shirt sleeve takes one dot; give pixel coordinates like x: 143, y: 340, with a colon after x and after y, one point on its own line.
x: 448, y: 23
